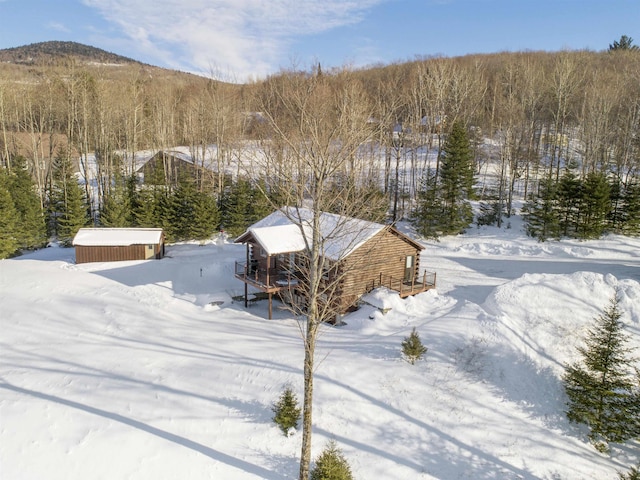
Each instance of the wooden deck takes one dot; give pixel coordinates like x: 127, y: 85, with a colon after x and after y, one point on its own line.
x: 268, y: 281
x: 407, y: 288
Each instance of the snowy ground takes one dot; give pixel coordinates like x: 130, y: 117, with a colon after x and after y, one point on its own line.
x: 127, y: 371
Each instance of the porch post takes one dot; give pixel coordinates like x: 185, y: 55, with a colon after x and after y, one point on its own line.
x: 270, y: 310
x: 268, y: 269
x: 246, y: 272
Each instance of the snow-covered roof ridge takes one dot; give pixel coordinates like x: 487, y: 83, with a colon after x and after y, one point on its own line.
x: 282, y: 232
x: 117, y: 237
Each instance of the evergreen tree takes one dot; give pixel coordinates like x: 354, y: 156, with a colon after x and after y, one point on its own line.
x: 600, y: 386
x: 616, y: 217
x: 632, y: 474
x: 625, y: 43
x: 541, y: 213
x: 492, y: 209
x: 631, y: 214
x: 206, y: 216
x: 260, y: 205
x: 595, y: 206
x: 187, y: 214
x: 9, y: 220
x: 286, y: 411
x: 67, y: 202
x: 331, y: 465
x: 116, y: 211
x: 236, y: 203
x: 179, y: 211
x: 31, y: 229
x: 428, y: 210
x: 569, y: 198
x: 412, y: 347
x: 147, y: 206
x: 456, y: 181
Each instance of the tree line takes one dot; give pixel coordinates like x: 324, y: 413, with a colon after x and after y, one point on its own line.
x: 546, y: 127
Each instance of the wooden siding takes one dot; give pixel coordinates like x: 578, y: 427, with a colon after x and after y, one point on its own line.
x: 384, y: 254
x: 86, y: 254
x: 381, y: 258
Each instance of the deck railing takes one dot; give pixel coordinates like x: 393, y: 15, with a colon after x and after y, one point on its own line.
x: 264, y: 278
x: 406, y: 288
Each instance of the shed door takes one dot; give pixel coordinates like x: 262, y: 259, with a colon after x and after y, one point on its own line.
x: 409, y: 267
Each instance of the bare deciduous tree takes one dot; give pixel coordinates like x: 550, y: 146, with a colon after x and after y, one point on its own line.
x: 320, y: 124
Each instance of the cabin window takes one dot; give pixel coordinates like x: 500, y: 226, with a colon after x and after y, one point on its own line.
x: 149, y: 247
x: 263, y: 254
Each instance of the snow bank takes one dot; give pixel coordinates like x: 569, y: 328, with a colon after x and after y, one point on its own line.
x: 154, y: 364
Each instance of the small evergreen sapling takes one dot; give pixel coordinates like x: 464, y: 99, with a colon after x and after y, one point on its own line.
x: 412, y: 347
x: 632, y: 474
x: 331, y: 465
x: 286, y: 411
x: 600, y: 387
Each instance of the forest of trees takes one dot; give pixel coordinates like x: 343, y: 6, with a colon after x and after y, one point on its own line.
x: 557, y: 131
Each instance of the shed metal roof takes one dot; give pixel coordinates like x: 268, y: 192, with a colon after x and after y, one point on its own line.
x: 117, y: 237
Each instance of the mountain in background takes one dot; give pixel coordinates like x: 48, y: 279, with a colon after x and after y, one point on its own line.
x: 45, y: 52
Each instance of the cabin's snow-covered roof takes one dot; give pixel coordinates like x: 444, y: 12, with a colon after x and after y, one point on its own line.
x: 282, y: 232
x: 117, y: 237
x: 279, y: 238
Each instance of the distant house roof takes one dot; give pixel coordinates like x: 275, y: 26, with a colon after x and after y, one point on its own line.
x: 282, y: 232
x: 117, y: 237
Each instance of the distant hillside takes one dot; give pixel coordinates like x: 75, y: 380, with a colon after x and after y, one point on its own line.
x: 47, y: 51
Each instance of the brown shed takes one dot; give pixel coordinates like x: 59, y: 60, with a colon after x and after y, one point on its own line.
x: 117, y: 244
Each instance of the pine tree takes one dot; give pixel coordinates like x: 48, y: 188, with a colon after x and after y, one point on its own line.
x: 147, y: 207
x: 632, y: 474
x: 428, y: 210
x: 206, y: 216
x: 456, y: 181
x: 569, y: 197
x: 286, y: 411
x: 625, y: 43
x: 179, y: 210
x: 9, y: 220
x: 631, y: 215
x: 491, y: 209
x: 412, y: 347
x: 616, y: 217
x: 67, y: 202
x: 600, y: 387
x: 331, y: 465
x: 31, y: 229
x: 260, y: 204
x: 236, y: 203
x: 117, y: 211
x: 595, y: 206
x: 541, y: 214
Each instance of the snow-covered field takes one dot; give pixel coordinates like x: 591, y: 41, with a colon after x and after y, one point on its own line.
x: 127, y: 370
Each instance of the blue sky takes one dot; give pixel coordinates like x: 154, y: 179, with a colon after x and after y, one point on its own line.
x: 245, y: 39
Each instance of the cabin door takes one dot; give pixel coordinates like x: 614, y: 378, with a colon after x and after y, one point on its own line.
x: 409, y: 268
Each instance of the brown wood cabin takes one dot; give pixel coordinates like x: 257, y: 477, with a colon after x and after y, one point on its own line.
x: 166, y: 167
x: 118, y: 244
x: 359, y: 257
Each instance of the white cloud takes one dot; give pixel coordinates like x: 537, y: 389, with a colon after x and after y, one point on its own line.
x: 246, y: 38
x: 57, y: 26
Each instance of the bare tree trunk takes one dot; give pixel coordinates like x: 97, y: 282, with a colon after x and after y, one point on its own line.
x: 317, y: 126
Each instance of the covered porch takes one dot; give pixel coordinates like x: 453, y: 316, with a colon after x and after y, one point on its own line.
x: 270, y: 276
